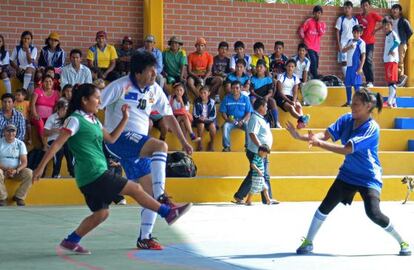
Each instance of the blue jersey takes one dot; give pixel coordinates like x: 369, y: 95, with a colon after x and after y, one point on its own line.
x: 362, y: 166
x: 237, y: 108
x: 262, y: 86
x: 233, y: 77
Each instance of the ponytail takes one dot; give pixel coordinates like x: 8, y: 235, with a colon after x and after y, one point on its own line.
x: 380, y: 102
x: 367, y: 96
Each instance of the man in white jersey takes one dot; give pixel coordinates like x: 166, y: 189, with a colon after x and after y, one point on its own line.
x: 142, y: 157
x: 344, y: 25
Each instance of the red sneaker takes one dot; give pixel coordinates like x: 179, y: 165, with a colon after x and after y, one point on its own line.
x: 176, y: 212
x: 74, y: 247
x: 151, y: 244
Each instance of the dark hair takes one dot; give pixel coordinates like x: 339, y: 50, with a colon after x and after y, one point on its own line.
x: 61, y: 104
x: 22, y: 91
x: 264, y: 148
x: 49, y: 68
x: 259, y: 102
x: 142, y: 60
x: 365, y: 1
x: 317, y: 8
x: 185, y: 96
x: 397, y: 6
x: 290, y: 61
x: 302, y: 45
x: 73, y: 51
x: 241, y: 61
x: 261, y: 62
x: 235, y: 82
x: 238, y: 44
x: 205, y: 88
x: 348, y: 4
x: 68, y: 85
x: 79, y: 91
x: 358, y: 28
x: 97, y: 71
x: 258, y: 45
x: 223, y: 44
x: 47, y: 43
x: 7, y: 95
x: 113, y: 76
x: 387, y: 20
x: 46, y: 76
x: 279, y: 42
x: 25, y: 33
x: 367, y: 96
x: 2, y: 49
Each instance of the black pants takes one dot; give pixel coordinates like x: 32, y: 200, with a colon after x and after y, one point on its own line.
x: 57, y: 160
x: 369, y: 63
x: 247, y: 182
x: 314, y: 63
x: 343, y: 192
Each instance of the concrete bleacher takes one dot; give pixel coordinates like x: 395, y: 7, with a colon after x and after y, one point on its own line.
x: 298, y: 173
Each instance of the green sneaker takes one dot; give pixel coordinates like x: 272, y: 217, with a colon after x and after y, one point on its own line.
x: 405, y: 249
x: 305, y: 248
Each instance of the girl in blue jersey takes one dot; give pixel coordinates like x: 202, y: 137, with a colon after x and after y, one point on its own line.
x: 361, y: 171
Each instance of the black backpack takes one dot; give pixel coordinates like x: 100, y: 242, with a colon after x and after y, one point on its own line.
x: 180, y: 164
x: 332, y: 80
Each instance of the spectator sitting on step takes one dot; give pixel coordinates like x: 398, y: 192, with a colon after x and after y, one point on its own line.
x: 51, y: 72
x: 52, y: 130
x: 42, y: 105
x: 102, y: 55
x: 9, y: 115
x: 278, y: 59
x: 240, y: 54
x: 124, y: 56
x: 5, y: 65
x: 238, y: 75
x: 200, y: 64
x: 259, y: 54
x: 13, y: 163
x: 75, y: 72
x: 66, y: 93
x: 235, y: 109
x: 180, y: 105
x: 23, y: 60
x: 23, y: 106
x: 52, y: 54
x: 205, y: 117
x: 149, y: 46
x: 220, y: 69
x: 175, y: 61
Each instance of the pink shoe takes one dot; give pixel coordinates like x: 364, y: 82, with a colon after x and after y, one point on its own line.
x: 177, y: 211
x: 74, y: 247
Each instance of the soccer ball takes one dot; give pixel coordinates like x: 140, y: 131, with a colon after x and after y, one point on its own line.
x: 314, y: 92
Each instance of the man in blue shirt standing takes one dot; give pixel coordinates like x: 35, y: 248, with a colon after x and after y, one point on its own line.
x: 235, y: 109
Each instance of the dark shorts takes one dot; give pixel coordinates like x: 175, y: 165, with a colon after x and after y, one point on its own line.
x: 280, y: 101
x: 6, y: 69
x: 346, y: 192
x: 100, y: 193
x: 206, y: 123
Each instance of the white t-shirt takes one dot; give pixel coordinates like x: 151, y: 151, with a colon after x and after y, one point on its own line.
x: 395, y: 26
x: 6, y: 60
x: 346, y: 24
x: 10, y: 153
x: 141, y: 102
x: 301, y: 66
x: 288, y: 83
x: 53, y: 122
x: 22, y: 57
x: 72, y: 123
x: 358, y: 49
x: 175, y: 105
x: 390, y: 39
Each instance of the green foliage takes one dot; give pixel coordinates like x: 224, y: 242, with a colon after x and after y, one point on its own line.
x: 375, y: 3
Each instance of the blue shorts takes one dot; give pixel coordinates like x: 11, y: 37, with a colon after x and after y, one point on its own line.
x: 127, y: 149
x: 352, y: 78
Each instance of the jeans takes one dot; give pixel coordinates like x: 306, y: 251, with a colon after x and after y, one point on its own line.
x: 247, y: 182
x: 369, y: 64
x: 227, y: 128
x: 314, y: 63
x: 57, y: 160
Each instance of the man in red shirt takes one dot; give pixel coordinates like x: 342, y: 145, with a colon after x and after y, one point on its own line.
x: 368, y: 19
x: 311, y: 32
x: 200, y: 63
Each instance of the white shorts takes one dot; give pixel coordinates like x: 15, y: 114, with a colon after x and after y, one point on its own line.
x: 341, y: 57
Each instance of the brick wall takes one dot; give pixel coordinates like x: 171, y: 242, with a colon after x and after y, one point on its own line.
x: 77, y: 21
x: 218, y: 20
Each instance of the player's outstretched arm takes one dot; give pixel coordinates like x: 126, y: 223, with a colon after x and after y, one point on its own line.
x: 50, y: 153
x: 304, y: 137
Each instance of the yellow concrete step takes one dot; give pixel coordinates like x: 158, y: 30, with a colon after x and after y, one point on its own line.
x: 295, y: 163
x: 390, y: 140
x: 337, y: 95
x: 207, y: 189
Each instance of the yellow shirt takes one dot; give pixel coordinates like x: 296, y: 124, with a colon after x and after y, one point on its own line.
x: 23, y: 107
x: 255, y: 58
x: 104, y: 57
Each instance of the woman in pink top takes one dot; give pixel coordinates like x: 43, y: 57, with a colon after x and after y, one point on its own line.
x: 42, y: 105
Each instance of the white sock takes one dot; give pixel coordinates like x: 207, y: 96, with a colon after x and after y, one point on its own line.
x: 148, y: 218
x: 392, y: 93
x: 317, y: 221
x: 158, y: 161
x: 390, y: 229
x: 26, y: 80
x: 7, y: 85
x: 344, y: 71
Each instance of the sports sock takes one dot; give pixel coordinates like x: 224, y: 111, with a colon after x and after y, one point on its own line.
x: 317, y: 221
x: 348, y: 94
x: 74, y: 237
x: 392, y: 93
x: 148, y: 218
x: 344, y: 70
x: 164, y: 210
x: 390, y: 229
x: 26, y: 80
x: 158, y: 162
x: 7, y: 85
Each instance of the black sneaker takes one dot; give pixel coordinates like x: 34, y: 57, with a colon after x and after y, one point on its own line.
x: 19, y: 202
